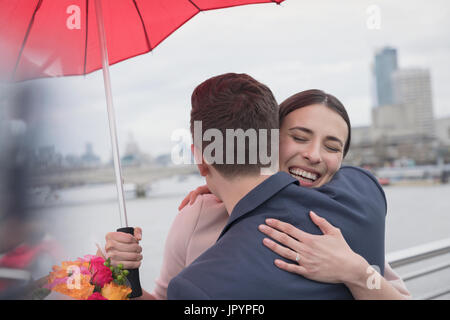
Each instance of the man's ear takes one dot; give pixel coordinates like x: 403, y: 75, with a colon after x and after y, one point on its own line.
x: 199, y: 161
x: 203, y: 169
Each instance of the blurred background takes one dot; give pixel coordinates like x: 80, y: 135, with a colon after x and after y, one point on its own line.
x: 388, y: 62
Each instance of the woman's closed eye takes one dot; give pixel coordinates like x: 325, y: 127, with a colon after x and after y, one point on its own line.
x: 300, y: 139
x: 333, y: 149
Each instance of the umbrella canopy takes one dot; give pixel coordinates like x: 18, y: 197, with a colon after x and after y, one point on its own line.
x: 48, y: 38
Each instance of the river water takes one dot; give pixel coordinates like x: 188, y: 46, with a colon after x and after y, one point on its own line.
x: 80, y: 217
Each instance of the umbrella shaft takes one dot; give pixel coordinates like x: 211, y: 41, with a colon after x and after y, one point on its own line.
x: 111, y: 116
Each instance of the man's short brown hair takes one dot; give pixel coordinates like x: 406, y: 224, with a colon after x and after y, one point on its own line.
x: 234, y: 101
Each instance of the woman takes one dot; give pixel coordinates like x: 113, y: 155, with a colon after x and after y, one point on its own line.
x: 314, y: 138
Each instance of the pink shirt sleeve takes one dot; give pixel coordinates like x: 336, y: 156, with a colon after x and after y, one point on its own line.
x: 394, y: 279
x: 193, y: 230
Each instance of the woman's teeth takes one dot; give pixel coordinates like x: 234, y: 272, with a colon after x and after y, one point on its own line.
x: 303, y: 174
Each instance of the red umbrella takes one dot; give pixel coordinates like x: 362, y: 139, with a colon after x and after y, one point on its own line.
x: 50, y: 38
x: 47, y: 38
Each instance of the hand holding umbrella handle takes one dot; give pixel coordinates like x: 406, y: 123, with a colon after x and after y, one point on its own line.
x: 133, y: 276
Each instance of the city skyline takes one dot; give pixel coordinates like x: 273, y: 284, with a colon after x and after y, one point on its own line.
x: 403, y: 128
x: 50, y: 156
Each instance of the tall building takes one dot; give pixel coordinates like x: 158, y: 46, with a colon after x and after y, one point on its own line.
x: 412, y: 90
x: 385, y: 64
x: 405, y: 129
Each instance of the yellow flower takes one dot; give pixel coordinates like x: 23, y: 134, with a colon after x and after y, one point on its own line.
x: 113, y: 291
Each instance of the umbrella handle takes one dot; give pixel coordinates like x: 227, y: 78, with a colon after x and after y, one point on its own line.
x: 133, y: 276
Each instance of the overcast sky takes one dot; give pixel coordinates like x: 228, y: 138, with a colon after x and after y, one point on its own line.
x: 296, y: 46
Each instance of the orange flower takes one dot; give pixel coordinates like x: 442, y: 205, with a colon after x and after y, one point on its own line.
x: 81, y: 292
x: 67, y: 264
x: 57, y: 273
x: 113, y: 291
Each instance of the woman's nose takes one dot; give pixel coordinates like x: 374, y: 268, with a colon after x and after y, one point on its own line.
x: 312, y: 153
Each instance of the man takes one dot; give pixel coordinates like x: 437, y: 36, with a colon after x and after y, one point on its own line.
x: 237, y: 266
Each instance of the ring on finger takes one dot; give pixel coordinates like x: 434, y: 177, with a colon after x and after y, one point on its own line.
x: 297, y: 257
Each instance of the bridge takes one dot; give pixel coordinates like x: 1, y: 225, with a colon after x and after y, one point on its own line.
x: 140, y: 176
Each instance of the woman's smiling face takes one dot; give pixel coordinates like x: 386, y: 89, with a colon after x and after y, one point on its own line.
x: 312, y: 141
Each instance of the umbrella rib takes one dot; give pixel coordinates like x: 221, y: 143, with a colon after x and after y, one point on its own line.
x: 195, y: 5
x: 38, y: 5
x: 86, y: 38
x: 143, y: 26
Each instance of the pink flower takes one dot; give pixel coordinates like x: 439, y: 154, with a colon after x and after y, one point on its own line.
x: 84, y: 270
x: 96, y: 296
x: 97, y: 260
x: 100, y: 273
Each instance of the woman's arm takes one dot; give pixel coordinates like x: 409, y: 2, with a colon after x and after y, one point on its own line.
x: 327, y: 258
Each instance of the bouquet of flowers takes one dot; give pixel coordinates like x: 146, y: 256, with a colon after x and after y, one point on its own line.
x: 89, y: 278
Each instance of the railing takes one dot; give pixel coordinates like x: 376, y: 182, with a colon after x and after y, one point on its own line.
x: 421, y: 253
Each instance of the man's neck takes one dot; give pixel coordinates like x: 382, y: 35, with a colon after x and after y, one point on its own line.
x: 232, y: 191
